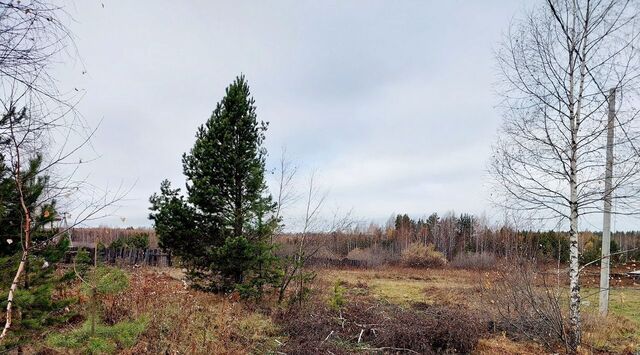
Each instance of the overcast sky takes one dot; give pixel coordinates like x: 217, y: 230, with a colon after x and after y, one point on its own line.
x: 390, y: 101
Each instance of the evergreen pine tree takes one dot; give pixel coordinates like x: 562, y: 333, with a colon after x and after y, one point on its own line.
x: 221, y: 228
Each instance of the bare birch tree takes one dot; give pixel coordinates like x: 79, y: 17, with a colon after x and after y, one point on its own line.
x: 294, y: 270
x: 286, y: 195
x: 556, y: 68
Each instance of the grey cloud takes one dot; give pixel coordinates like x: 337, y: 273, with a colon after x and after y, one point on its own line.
x: 390, y: 101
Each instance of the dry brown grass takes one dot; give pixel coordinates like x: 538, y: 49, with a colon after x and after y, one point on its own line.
x: 501, y: 344
x: 612, y: 334
x: 182, y: 320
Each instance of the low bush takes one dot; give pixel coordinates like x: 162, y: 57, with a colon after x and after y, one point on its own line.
x: 475, y: 261
x: 420, y: 255
x: 360, y: 254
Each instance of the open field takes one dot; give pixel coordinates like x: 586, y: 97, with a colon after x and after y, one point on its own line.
x: 407, y: 287
x: 182, y: 320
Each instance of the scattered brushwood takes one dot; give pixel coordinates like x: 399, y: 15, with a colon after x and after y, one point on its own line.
x: 421, y: 255
x: 349, y: 321
x: 526, y: 306
x: 435, y: 329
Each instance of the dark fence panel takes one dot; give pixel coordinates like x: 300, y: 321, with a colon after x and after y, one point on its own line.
x: 126, y: 256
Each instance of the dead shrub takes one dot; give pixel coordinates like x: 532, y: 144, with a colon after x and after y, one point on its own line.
x: 309, y: 329
x: 475, y: 261
x: 363, y: 323
x: 525, y: 307
x: 421, y: 255
x: 435, y: 329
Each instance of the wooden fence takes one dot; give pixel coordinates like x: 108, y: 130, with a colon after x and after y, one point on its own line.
x: 327, y: 262
x: 126, y: 256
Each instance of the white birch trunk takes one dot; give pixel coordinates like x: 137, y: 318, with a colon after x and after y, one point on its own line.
x: 12, y: 290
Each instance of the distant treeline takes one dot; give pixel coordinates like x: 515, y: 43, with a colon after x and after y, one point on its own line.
x: 451, y: 235
x: 459, y: 234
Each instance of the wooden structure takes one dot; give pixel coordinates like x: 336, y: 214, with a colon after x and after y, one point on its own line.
x: 126, y: 256
x: 343, y: 262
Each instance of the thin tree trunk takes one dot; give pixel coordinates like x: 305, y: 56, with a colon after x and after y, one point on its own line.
x: 25, y: 247
x: 12, y: 290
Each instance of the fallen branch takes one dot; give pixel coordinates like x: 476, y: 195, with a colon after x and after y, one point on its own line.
x: 327, y: 338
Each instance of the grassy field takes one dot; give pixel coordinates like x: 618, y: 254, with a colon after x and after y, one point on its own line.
x: 404, y: 286
x: 623, y: 302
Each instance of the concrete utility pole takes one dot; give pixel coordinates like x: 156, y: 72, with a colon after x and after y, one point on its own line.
x: 606, y: 223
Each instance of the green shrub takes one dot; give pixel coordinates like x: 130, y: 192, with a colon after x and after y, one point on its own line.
x: 107, y: 281
x: 337, y: 300
x: 420, y: 255
x: 105, y: 340
x: 94, y: 337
